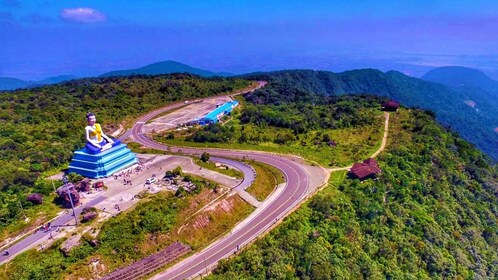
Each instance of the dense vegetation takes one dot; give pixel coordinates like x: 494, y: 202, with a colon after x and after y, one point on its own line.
x: 448, y: 104
x: 41, y: 127
x: 432, y: 213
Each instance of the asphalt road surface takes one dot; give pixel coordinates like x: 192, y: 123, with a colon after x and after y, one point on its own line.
x: 39, y: 234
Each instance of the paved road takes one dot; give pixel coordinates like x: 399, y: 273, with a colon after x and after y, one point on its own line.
x: 249, y: 177
x: 294, y: 192
x: 40, y: 235
x: 177, y: 105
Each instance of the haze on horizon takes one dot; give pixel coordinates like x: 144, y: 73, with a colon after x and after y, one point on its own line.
x: 87, y: 38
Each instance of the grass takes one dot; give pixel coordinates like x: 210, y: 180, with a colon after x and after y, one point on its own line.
x: 267, y: 177
x: 211, y: 166
x: 335, y: 180
x: 36, y: 216
x: 353, y: 144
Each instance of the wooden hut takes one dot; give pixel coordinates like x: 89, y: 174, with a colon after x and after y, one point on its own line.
x: 366, y: 169
x: 390, y: 105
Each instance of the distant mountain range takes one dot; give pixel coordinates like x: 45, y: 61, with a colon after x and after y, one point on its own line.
x: 451, y: 105
x: 12, y: 83
x: 165, y: 67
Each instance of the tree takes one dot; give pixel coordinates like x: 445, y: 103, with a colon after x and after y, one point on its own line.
x: 205, y: 157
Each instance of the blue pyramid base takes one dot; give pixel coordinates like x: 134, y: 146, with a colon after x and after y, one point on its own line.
x: 103, y: 164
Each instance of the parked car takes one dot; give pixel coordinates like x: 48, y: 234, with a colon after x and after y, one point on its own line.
x: 151, y: 180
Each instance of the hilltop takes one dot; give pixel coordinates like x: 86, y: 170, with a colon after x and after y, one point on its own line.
x: 164, y: 67
x: 431, y: 214
x: 447, y: 103
x: 456, y: 76
x: 41, y: 127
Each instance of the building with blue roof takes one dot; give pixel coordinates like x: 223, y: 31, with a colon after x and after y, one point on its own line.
x: 215, y: 115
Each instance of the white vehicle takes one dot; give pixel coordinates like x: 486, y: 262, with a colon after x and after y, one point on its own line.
x: 151, y: 181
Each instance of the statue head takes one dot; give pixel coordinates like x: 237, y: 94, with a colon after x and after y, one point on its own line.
x: 90, y: 117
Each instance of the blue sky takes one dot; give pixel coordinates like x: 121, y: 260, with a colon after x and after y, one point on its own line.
x: 85, y: 38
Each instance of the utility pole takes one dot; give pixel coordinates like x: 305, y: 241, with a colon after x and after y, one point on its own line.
x: 64, y: 179
x: 22, y: 210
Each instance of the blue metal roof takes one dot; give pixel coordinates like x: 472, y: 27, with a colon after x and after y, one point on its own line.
x: 223, y: 109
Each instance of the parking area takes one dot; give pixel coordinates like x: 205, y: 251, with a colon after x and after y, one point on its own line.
x: 121, y: 195
x: 192, y: 111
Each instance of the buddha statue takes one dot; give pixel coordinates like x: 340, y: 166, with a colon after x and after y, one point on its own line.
x: 96, y: 139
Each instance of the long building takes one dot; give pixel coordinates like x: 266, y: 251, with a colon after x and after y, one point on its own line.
x: 215, y: 115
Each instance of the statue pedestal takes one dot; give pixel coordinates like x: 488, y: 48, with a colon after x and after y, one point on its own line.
x: 103, y: 164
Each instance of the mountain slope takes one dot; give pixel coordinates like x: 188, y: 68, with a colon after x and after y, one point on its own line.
x: 448, y: 104
x: 12, y: 83
x: 431, y: 214
x: 57, y: 79
x: 461, y: 76
x: 165, y: 67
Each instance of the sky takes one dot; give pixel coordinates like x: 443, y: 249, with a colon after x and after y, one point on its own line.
x: 41, y: 38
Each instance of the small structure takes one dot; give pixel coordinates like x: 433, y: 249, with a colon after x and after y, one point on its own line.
x: 390, y: 105
x: 366, y: 169
x: 65, y: 191
x: 35, y: 198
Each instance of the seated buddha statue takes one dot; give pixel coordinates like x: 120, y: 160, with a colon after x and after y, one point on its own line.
x: 96, y: 139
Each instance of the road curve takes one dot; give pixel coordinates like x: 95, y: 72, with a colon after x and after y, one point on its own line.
x: 293, y: 193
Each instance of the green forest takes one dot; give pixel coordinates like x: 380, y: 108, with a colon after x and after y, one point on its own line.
x: 447, y: 103
x: 431, y: 214
x: 41, y: 127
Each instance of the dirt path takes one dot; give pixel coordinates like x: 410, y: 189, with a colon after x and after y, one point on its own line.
x: 384, y: 139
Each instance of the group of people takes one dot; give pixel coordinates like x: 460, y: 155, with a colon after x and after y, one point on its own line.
x: 128, y: 172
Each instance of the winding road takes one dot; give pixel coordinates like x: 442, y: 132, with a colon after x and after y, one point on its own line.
x: 295, y: 191
x: 297, y: 183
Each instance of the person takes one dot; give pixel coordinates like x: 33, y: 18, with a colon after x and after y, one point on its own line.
x: 96, y: 139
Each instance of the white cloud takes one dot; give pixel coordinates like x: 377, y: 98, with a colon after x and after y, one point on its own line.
x: 84, y: 15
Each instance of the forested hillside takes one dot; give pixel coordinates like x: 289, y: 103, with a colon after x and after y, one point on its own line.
x: 432, y: 213
x: 41, y: 127
x: 448, y: 104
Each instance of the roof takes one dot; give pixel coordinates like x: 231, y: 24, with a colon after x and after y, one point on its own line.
x: 365, y: 169
x: 213, y: 115
x: 391, y: 104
